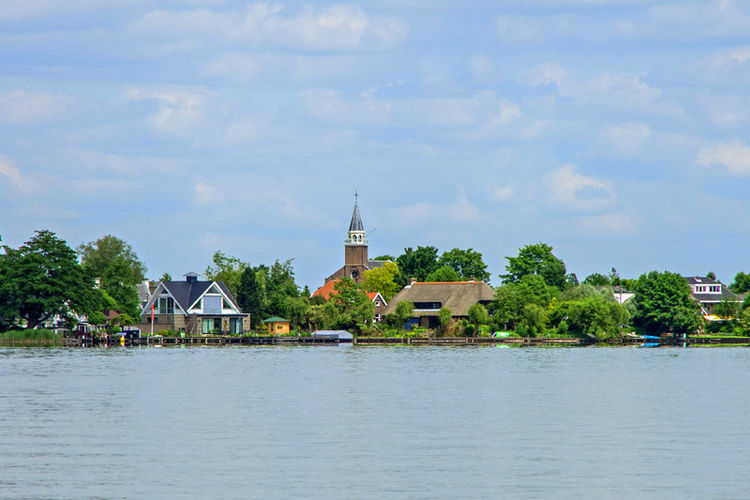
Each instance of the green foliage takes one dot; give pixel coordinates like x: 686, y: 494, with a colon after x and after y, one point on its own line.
x: 664, y: 303
x: 744, y: 321
x: 114, y: 283
x: 166, y: 277
x: 597, y: 279
x: 467, y: 264
x: 264, y: 291
x: 727, y: 309
x: 443, y: 273
x: 387, y: 258
x: 403, y: 312
x: 353, y: 308
x: 251, y: 295
x: 511, y: 299
x: 586, y: 290
x: 227, y: 269
x: 741, y: 283
x: 445, y: 316
x: 478, y: 314
x: 30, y: 337
x: 711, y: 275
x: 536, y: 260
x: 97, y: 256
x: 592, y: 316
x: 317, y: 300
x: 382, y: 279
x: 40, y: 279
x: 416, y: 264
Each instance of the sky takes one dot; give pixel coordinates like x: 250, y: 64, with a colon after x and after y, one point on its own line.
x: 615, y: 131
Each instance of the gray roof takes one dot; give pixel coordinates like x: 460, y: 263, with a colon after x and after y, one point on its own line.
x: 186, y: 293
x: 372, y: 264
x: 143, y: 292
x: 356, y: 222
x: 457, y: 296
x: 701, y: 280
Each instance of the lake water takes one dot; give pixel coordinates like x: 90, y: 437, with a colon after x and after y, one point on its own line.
x: 374, y: 422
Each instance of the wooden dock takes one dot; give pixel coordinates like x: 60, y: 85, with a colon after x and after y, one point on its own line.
x: 114, y: 340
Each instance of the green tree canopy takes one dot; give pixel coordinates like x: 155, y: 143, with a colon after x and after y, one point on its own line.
x: 97, y: 256
x: 114, y: 282
x: 416, y: 264
x: 443, y: 273
x: 382, y: 279
x: 512, y: 298
x: 592, y: 316
x: 251, y: 295
x: 741, y: 283
x: 43, y: 278
x: 403, y: 312
x: 386, y: 257
x: 227, y: 269
x: 467, y: 263
x: 536, y: 260
x: 354, y: 308
x: 664, y: 303
x: 597, y: 279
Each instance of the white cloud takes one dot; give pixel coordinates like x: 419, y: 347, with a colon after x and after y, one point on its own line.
x: 626, y: 138
x: 502, y: 193
x: 339, y: 27
x: 25, y: 107
x: 618, y: 223
x: 459, y: 211
x: 13, y: 175
x: 733, y: 156
x: 206, y: 194
x: 569, y: 188
x: 730, y: 66
x: 484, y: 108
x: 329, y: 105
x: 181, y: 109
x: 545, y: 74
x: 481, y: 66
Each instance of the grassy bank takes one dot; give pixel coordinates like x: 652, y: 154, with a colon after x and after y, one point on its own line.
x: 29, y: 338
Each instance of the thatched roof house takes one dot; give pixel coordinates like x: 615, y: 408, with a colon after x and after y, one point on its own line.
x: 430, y: 296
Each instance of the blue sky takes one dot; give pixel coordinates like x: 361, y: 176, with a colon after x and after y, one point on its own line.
x: 616, y: 131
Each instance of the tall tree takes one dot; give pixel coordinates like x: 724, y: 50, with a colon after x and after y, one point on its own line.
x: 741, y: 283
x: 467, y: 263
x: 251, y: 295
x: 43, y: 278
x: 597, y: 279
x: 416, y: 264
x: 227, y: 269
x: 355, y: 309
x: 382, y: 279
x: 114, y: 282
x: 96, y: 256
x: 537, y: 260
x: 664, y: 302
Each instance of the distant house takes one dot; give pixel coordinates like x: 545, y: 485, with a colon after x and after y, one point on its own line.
x: 194, y: 307
x: 708, y: 292
x: 328, y: 290
x: 429, y: 297
x: 621, y: 294
x: 277, y: 326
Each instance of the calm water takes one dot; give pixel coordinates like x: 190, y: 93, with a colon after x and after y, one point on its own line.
x: 374, y: 422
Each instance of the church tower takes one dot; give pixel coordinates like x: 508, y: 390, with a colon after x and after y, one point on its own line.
x: 355, y: 246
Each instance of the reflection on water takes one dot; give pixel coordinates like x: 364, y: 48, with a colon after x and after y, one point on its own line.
x: 366, y: 422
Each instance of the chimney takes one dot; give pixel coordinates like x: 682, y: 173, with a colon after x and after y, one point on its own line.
x: 412, y: 281
x: 191, y: 277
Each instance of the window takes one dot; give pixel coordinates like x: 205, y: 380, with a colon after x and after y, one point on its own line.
x: 235, y: 325
x: 166, y: 305
x: 428, y: 305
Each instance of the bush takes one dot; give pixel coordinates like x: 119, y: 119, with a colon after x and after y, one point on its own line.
x: 30, y: 337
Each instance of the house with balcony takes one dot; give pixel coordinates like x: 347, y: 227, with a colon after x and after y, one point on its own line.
x: 193, y: 306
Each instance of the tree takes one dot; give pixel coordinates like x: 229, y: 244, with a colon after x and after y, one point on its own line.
x: 727, y: 309
x: 741, y: 283
x: 382, y: 279
x: 537, y: 260
x: 445, y: 316
x: 403, y: 312
x: 280, y: 284
x: 478, y: 315
x: 251, y: 295
x: 592, y: 316
x: 227, y: 269
x: 166, y: 277
x: 43, y: 278
x: 113, y: 282
x: 444, y: 273
x: 354, y: 308
x: 711, y: 275
x: 416, y: 264
x: 467, y: 263
x: 664, y: 302
x: 597, y: 279
x: 386, y: 257
x: 96, y: 257
x: 511, y: 299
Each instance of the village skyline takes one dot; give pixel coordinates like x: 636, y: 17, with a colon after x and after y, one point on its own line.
x: 616, y: 132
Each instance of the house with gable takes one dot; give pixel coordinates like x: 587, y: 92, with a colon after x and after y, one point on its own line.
x: 194, y: 307
x: 708, y: 292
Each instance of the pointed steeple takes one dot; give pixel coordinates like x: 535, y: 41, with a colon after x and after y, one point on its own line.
x: 356, y: 234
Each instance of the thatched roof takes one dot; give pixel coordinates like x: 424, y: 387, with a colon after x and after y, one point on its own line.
x: 457, y: 296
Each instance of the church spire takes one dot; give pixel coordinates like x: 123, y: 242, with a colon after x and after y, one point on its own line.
x: 356, y: 235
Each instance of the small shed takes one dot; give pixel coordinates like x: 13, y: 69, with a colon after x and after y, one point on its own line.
x: 277, y: 326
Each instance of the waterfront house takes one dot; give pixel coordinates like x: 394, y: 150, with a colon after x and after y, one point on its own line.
x: 277, y: 326
x: 429, y: 297
x: 708, y: 292
x: 194, y: 307
x: 328, y: 290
